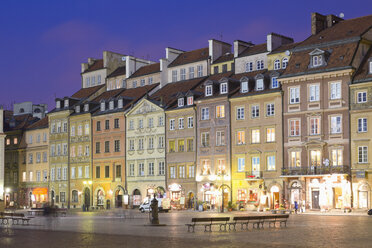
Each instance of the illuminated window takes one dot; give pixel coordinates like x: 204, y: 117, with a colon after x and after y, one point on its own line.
x: 172, y: 146
x: 240, y: 136
x: 181, y: 145
x: 294, y: 127
x: 270, y: 134
x: 295, y: 159
x: 336, y: 157
x: 270, y: 160
x: 241, y: 164
x: 221, y: 167
x: 315, y: 158
x: 314, y: 126
x: 206, y: 167
x: 256, y: 136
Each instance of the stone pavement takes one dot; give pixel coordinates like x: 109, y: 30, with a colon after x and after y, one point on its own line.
x: 108, y: 229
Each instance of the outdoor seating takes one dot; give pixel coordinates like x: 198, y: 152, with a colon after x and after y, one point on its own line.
x: 208, y: 223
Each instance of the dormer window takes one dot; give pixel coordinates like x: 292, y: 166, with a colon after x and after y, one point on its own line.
x: 259, y: 84
x: 120, y: 103
x: 274, y: 83
x: 103, y: 106
x: 317, y: 60
x: 284, y: 63
x: 223, y: 88
x: 77, y: 109
x: 190, y: 100
x: 181, y: 102
x: 111, y: 105
x: 277, y: 64
x: 208, y: 90
x: 86, y: 107
x: 244, y: 87
x: 66, y: 103
x: 58, y: 104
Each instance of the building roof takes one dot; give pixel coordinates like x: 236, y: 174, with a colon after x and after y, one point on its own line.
x: 363, y: 74
x: 138, y: 92
x: 21, y: 122
x: 260, y: 48
x: 107, y: 95
x: 224, y: 58
x: 118, y: 72
x: 342, y: 30
x: 167, y: 94
x: 338, y: 57
x: 285, y: 47
x: 97, y: 65
x: 145, y: 70
x: 191, y: 57
x: 43, y: 123
x: 86, y: 92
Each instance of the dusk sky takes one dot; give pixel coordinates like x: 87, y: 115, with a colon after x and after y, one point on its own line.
x: 43, y: 43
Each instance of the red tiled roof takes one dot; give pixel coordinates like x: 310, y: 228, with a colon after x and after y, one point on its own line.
x: 363, y: 73
x: 107, y: 95
x: 147, y: 69
x: 43, y: 123
x: 97, y: 64
x: 224, y: 58
x: 285, y: 47
x: 138, y: 92
x: 21, y: 121
x: 191, y: 57
x: 86, y: 92
x: 118, y: 72
x: 260, y: 48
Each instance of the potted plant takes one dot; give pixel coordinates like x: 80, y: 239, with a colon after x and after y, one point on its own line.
x: 231, y: 206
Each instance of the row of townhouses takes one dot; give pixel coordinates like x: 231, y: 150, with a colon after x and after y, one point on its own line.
x: 261, y: 125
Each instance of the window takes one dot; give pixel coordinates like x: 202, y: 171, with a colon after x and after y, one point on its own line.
x: 73, y: 151
x: 134, y: 84
x: 362, y: 97
x: 255, y: 166
x: 362, y: 154
x: 52, y: 174
x: 140, y: 144
x: 80, y: 151
x: 191, y: 171
x: 204, y: 139
x: 191, y: 73
x: 172, y: 124
x: 45, y: 157
x: 107, y: 171
x: 30, y: 158
x: 256, y: 136
x: 117, y: 145
x: 174, y: 76
x: 335, y: 124
x: 314, y: 126
x: 30, y: 139
x: 37, y: 139
x: 59, y: 149
x: 190, y: 122
x: 240, y: 113
x: 80, y: 130
x: 161, y: 168
x: 270, y: 109
x: 270, y: 160
x: 98, y: 172
x: 277, y: 64
x: 98, y: 126
x: 284, y: 63
x: 131, y: 124
x: 208, y: 90
x: 336, y: 157
x: 249, y: 66
x: 220, y: 138
x: 140, y: 123
x: 183, y: 74
x: 131, y: 145
x: 64, y: 129
x: 161, y: 121
x: 103, y: 106
x: 75, y: 197
x: 362, y: 125
x: 181, y: 123
x: 314, y: 93
x: 45, y: 175
x: 220, y: 111
x: 62, y: 196
x: 190, y: 145
x: 142, y: 82
x: 181, y: 102
x: 317, y: 60
x: 131, y: 170
x: 295, y: 159
x: 86, y: 129
x: 151, y: 169
x: 87, y: 171
x: 215, y: 69
x: 241, y: 164
x: 223, y: 88
x: 255, y: 111
x: 240, y: 137
x: 370, y: 67
x: 116, y: 123
x: 315, y: 160
x: 206, y: 167
x: 294, y: 126
x: 64, y: 146
x: 294, y: 95
x: 274, y: 83
x: 161, y: 142
x: 181, y: 171
x: 31, y: 176
x: 260, y: 64
x: 205, y: 114
x: 172, y: 146
x: 270, y: 134
x: 107, y: 124
x: 259, y: 84
x: 8, y: 141
x: 190, y: 100
x: 80, y: 172
x: 73, y: 173
x: 98, y: 147
x: 200, y: 70
x: 151, y: 143
x: 38, y: 176
x: 151, y: 122
x: 224, y: 68
x: 172, y: 172
x: 107, y: 146
x: 335, y: 90
x: 150, y: 80
x: 58, y: 128
x: 244, y: 87
x: 141, y: 169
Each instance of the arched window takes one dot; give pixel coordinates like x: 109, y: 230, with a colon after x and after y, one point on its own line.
x: 21, y: 110
x: 277, y: 64
x: 284, y: 63
x: 75, y: 196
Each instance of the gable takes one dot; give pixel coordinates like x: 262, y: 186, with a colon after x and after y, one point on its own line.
x: 144, y: 107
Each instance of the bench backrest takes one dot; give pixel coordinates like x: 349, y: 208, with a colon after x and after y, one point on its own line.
x: 282, y: 216
x: 220, y: 218
x: 213, y: 219
x: 201, y: 220
x: 237, y: 218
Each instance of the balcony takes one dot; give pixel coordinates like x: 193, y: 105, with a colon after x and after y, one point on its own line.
x: 253, y: 175
x: 315, y: 170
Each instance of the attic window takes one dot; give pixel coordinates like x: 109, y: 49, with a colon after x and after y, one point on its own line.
x: 274, y: 82
x: 342, y: 57
x: 259, y: 84
x: 77, y: 109
x: 86, y: 107
x: 181, y: 102
x: 298, y: 65
x: 190, y: 100
x: 66, y: 103
x: 321, y: 37
x: 317, y: 60
x: 208, y: 90
x: 120, y: 103
x: 244, y: 87
x: 58, y: 104
x: 223, y: 88
x: 103, y: 106
x: 111, y: 105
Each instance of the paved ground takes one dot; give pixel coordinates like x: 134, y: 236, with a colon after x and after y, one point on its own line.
x: 108, y: 229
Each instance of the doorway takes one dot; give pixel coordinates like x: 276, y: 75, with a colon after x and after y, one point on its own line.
x: 118, y: 198
x: 315, y: 199
x: 363, y: 199
x: 337, y: 193
x: 87, y: 197
x: 190, y: 200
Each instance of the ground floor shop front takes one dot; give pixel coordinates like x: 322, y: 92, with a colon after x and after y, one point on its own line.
x: 182, y: 195
x: 362, y: 195
x: 33, y: 196
x: 138, y: 192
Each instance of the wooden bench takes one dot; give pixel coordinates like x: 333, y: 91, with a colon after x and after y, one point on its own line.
x: 15, y: 217
x: 244, y: 222
x: 208, y: 222
x: 36, y: 211
x: 279, y: 218
x: 60, y: 212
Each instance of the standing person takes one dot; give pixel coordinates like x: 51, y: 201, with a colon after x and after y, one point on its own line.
x: 296, y: 206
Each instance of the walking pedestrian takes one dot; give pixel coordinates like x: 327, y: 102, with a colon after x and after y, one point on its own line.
x: 296, y: 206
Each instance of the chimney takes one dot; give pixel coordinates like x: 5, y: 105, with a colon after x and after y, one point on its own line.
x: 218, y: 48
x: 332, y: 20
x: 318, y: 23
x: 276, y: 40
x: 172, y: 53
x: 1, y: 120
x: 240, y: 46
x: 91, y: 61
x: 84, y: 67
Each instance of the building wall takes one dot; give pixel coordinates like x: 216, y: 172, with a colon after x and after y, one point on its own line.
x: 155, y: 79
x: 204, y: 63
x: 240, y: 62
x: 272, y: 57
x: 94, y: 75
x: 230, y: 66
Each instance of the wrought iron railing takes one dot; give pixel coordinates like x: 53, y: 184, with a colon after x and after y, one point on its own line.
x: 315, y: 170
